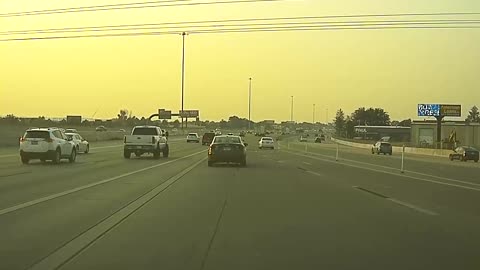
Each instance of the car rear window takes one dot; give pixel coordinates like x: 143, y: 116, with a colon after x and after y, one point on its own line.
x: 385, y: 144
x: 227, y: 140
x: 192, y: 134
x: 267, y: 139
x: 37, y: 134
x: 145, y: 131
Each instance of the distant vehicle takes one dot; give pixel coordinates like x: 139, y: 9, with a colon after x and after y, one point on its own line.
x: 146, y: 139
x: 260, y: 131
x: 229, y: 149
x: 242, y: 134
x: 218, y: 132
x: 46, y: 144
x: 382, y: 148
x: 81, y: 144
x: 230, y: 134
x: 465, y: 153
x: 266, y: 142
x: 174, y: 130
x: 101, y: 128
x: 303, y: 139
x: 207, y: 138
x: 71, y: 130
x: 193, y: 137
x: 318, y: 140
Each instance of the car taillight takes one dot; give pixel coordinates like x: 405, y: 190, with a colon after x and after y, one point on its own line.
x: 153, y: 140
x: 124, y: 139
x: 22, y: 139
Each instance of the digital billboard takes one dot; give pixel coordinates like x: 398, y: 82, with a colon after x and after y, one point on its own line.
x: 428, y: 109
x: 439, y: 110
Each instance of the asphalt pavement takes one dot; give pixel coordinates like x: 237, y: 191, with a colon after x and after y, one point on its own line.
x: 296, y: 207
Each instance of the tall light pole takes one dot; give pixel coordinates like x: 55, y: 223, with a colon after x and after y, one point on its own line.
x: 249, y: 101
x: 183, y: 73
x: 291, y: 111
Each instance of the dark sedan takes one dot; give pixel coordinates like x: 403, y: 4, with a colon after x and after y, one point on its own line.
x: 227, y: 149
x: 464, y: 153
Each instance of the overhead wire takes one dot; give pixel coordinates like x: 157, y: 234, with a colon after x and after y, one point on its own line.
x: 137, y: 5
x: 247, y: 30
x: 181, y: 25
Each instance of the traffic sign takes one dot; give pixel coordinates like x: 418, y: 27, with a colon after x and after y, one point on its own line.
x: 189, y: 113
x: 164, y: 114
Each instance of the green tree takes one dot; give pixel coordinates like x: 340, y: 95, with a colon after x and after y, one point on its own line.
x: 340, y: 123
x: 371, y: 117
x: 473, y: 115
x: 176, y: 123
x: 123, y: 115
x: 349, y: 127
x: 406, y: 123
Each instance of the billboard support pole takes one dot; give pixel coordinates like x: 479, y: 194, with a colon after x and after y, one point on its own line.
x: 439, y: 130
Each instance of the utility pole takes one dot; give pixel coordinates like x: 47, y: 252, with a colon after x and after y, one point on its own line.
x: 183, y: 75
x: 291, y: 111
x: 249, y: 101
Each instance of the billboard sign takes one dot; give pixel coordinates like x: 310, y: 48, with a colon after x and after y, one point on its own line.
x: 74, y: 119
x: 451, y: 110
x: 428, y: 109
x: 439, y: 110
x: 188, y: 113
x: 163, y: 114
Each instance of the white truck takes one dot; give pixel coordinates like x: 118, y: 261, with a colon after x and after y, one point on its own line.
x: 146, y: 139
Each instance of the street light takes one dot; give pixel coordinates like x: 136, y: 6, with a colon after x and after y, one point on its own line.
x: 183, y: 74
x: 291, y: 111
x: 249, y: 101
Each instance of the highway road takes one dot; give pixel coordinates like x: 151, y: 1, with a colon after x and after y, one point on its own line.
x: 295, y: 207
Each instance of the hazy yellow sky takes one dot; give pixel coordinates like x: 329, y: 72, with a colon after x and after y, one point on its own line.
x: 392, y: 69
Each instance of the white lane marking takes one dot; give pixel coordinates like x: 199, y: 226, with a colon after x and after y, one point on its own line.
x: 75, y: 246
x: 12, y: 155
x: 414, y: 172
x: 413, y: 207
x: 314, y: 173
x: 390, y: 173
x: 70, y: 191
x: 306, y: 163
x: 93, y: 148
x: 280, y: 161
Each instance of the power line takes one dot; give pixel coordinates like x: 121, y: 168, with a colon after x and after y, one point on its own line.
x: 245, y: 30
x: 137, y: 5
x: 186, y: 25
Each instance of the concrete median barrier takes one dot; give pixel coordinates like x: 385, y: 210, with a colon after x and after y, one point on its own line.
x: 397, y: 149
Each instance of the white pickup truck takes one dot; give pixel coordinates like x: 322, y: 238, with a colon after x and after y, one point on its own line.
x: 146, y: 139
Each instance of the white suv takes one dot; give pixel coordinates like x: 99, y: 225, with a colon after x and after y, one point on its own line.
x: 266, y: 142
x: 193, y: 137
x: 46, y: 144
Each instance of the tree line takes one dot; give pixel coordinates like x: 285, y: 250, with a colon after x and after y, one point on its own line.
x: 345, y: 125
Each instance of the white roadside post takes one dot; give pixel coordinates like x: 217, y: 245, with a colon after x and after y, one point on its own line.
x: 336, y: 156
x: 403, y: 157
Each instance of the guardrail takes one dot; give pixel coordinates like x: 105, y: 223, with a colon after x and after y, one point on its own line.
x: 410, y: 150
